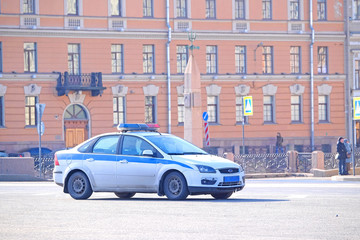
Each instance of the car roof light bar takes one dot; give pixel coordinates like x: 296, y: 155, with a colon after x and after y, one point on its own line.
x: 127, y: 127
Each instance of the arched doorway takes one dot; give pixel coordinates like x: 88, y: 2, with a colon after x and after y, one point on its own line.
x: 76, y: 125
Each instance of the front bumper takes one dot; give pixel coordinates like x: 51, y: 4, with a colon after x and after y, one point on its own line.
x: 200, y: 183
x: 212, y: 190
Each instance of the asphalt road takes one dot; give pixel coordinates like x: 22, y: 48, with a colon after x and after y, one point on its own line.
x: 266, y: 209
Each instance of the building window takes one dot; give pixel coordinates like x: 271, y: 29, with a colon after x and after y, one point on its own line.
x: 181, y: 110
x: 294, y: 10
x: 117, y: 58
x: 269, y: 109
x: 74, y: 59
x: 115, y: 8
x: 240, y: 110
x: 73, y: 7
x: 321, y: 9
x: 150, y: 109
x: 322, y: 60
x: 357, y: 73
x: 29, y: 6
x: 30, y: 110
x: 240, y: 59
x: 211, y: 59
x: 323, y: 108
x: 295, y: 60
x: 181, y: 58
x: 357, y: 9
x: 212, y: 109
x: 2, y: 111
x: 267, y: 9
x: 210, y: 9
x: 267, y: 60
x: 296, y: 108
x: 147, y: 8
x: 30, y: 57
x: 118, y: 110
x: 181, y: 8
x: 239, y: 9
x: 148, y: 59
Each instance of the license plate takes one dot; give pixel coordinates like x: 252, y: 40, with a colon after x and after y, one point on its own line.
x: 232, y: 179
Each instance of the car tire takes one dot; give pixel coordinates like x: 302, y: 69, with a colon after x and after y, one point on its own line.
x: 225, y: 195
x: 175, y: 186
x: 79, y: 186
x: 124, y: 195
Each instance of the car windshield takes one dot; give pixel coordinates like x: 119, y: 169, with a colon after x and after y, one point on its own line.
x: 172, y: 145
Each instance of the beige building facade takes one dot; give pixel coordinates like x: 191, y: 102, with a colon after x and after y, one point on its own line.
x: 96, y: 64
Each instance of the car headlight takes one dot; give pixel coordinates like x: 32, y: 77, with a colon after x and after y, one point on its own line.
x: 205, y: 169
x: 241, y: 169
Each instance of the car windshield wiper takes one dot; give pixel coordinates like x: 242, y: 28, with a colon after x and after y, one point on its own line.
x: 194, y: 153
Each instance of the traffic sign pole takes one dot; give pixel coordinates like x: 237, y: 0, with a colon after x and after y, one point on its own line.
x: 40, y: 128
x: 206, y: 128
x: 243, y: 126
x: 356, y: 116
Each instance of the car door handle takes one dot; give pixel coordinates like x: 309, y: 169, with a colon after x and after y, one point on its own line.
x: 90, y: 159
x: 123, y: 161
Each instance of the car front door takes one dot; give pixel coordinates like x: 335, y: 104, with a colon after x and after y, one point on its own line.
x: 102, y: 161
x: 134, y: 170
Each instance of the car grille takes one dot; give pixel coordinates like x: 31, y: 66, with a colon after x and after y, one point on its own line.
x: 226, y: 184
x: 229, y: 170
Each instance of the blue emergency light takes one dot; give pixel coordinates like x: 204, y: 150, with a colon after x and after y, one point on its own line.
x: 126, y: 127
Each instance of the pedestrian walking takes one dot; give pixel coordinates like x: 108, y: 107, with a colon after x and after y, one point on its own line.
x: 341, y: 155
x: 279, y: 142
x: 348, y: 155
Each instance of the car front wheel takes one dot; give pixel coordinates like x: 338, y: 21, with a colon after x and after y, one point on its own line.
x: 124, y: 195
x: 222, y: 195
x: 175, y: 186
x: 79, y: 186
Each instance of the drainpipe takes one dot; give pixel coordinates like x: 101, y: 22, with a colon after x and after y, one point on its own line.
x: 312, y: 142
x: 168, y: 65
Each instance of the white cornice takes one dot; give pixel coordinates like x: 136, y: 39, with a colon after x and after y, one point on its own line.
x: 163, y: 78
x: 146, y: 34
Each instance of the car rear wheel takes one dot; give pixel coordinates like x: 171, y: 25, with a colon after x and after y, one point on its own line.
x: 222, y: 195
x: 79, y: 186
x: 124, y: 195
x: 175, y: 186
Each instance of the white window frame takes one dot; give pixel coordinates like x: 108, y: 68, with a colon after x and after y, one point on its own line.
x: 122, y: 9
x: 80, y: 6
x: 36, y: 7
x: 327, y: 105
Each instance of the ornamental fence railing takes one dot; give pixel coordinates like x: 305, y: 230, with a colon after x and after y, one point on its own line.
x: 252, y: 163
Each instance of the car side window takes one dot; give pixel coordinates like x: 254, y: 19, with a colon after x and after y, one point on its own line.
x: 135, y: 146
x: 106, y: 145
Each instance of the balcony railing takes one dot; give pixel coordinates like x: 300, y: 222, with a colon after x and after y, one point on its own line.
x: 83, y: 82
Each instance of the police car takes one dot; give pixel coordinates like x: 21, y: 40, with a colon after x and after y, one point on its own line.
x: 139, y: 159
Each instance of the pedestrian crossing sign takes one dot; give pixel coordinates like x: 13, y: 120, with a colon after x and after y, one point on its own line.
x: 356, y: 107
x: 248, y: 106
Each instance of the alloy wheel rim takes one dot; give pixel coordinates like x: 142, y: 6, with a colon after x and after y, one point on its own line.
x: 79, y: 185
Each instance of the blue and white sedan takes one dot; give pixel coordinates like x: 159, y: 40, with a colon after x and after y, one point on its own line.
x: 138, y: 159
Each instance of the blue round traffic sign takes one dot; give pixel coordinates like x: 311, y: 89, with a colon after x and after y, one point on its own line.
x: 205, y: 116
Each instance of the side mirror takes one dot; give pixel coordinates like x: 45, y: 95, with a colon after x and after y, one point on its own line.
x: 148, y: 153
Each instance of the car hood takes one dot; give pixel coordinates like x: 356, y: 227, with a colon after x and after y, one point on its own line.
x: 208, y: 160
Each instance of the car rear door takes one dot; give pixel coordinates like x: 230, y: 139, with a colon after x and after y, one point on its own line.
x: 135, y: 171
x: 102, y: 161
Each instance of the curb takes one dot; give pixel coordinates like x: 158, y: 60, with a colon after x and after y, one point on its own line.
x: 21, y: 178
x: 346, y: 178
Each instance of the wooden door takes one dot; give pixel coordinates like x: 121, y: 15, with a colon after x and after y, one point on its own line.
x: 74, y: 136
